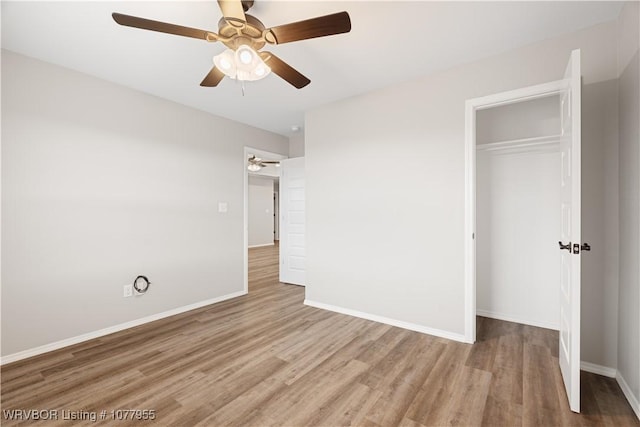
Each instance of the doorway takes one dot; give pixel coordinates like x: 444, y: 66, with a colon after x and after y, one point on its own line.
x: 259, y: 212
x: 474, y: 108
x: 518, y: 162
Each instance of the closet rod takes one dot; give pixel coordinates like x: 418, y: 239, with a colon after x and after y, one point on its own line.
x: 517, y: 143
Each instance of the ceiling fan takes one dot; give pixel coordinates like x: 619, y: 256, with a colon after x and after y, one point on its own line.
x: 244, y: 36
x: 256, y: 163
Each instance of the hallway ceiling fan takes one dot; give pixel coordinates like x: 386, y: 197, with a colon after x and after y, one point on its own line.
x: 256, y: 163
x: 244, y: 35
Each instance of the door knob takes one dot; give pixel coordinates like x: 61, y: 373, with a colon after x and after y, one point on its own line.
x: 567, y: 246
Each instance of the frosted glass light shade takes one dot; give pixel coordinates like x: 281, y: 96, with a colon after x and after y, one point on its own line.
x: 253, y: 167
x: 243, y: 64
x: 226, y: 63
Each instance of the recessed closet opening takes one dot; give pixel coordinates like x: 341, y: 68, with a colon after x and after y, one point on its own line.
x: 518, y: 218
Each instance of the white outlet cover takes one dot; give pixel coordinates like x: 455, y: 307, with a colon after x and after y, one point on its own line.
x: 223, y: 207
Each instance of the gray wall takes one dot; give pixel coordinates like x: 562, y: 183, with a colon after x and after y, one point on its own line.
x: 629, y: 176
x: 101, y: 183
x: 296, y: 144
x: 599, y: 267
x: 385, y: 227
x: 260, y: 211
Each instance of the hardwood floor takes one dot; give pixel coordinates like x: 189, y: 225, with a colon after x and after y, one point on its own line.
x: 266, y: 359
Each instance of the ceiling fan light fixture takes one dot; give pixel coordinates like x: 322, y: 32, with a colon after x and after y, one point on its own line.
x: 244, y: 64
x: 245, y: 55
x: 254, y: 167
x: 249, y: 64
x: 226, y: 63
x: 261, y: 70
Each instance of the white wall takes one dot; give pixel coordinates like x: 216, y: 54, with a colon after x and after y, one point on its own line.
x: 517, y: 216
x: 260, y: 211
x: 629, y: 206
x: 391, y: 244
x: 531, y: 119
x: 518, y: 223
x: 101, y: 183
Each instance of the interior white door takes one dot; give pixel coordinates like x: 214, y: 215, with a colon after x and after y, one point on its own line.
x: 570, y: 246
x: 292, y: 221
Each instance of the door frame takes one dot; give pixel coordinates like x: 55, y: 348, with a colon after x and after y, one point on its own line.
x: 245, y: 229
x: 472, y: 106
x: 276, y: 214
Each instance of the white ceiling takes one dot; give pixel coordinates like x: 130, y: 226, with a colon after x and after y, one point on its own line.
x: 390, y: 41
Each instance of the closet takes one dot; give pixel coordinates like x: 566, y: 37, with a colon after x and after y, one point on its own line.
x: 518, y: 215
x: 523, y: 186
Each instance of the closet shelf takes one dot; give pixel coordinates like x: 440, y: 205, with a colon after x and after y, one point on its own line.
x: 519, y: 143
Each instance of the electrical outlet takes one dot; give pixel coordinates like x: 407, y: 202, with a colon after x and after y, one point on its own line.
x: 128, y: 291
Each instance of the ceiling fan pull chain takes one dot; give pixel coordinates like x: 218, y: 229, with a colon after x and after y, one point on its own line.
x: 242, y: 87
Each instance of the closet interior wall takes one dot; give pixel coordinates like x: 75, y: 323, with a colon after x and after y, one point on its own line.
x: 518, y: 212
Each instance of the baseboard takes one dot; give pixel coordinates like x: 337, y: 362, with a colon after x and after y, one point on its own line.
x: 633, y: 400
x: 516, y: 319
x: 260, y: 246
x: 598, y: 369
x: 117, y: 328
x: 393, y: 322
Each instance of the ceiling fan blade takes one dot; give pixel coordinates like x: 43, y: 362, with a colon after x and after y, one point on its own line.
x: 233, y: 12
x: 212, y: 79
x: 328, y: 25
x: 284, y: 70
x: 161, y: 27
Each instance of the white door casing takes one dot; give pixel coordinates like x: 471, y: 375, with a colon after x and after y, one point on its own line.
x: 276, y: 215
x: 292, y: 221
x: 570, y: 182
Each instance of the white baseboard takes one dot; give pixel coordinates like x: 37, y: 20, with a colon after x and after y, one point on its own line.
x: 516, y: 319
x: 614, y: 373
x: 633, y: 400
x: 260, y: 246
x: 393, y: 322
x: 598, y: 369
x: 106, y: 331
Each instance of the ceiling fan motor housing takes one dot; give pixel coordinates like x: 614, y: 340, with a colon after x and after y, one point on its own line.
x: 250, y: 33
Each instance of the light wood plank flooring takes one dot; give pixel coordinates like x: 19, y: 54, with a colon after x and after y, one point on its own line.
x: 266, y: 359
